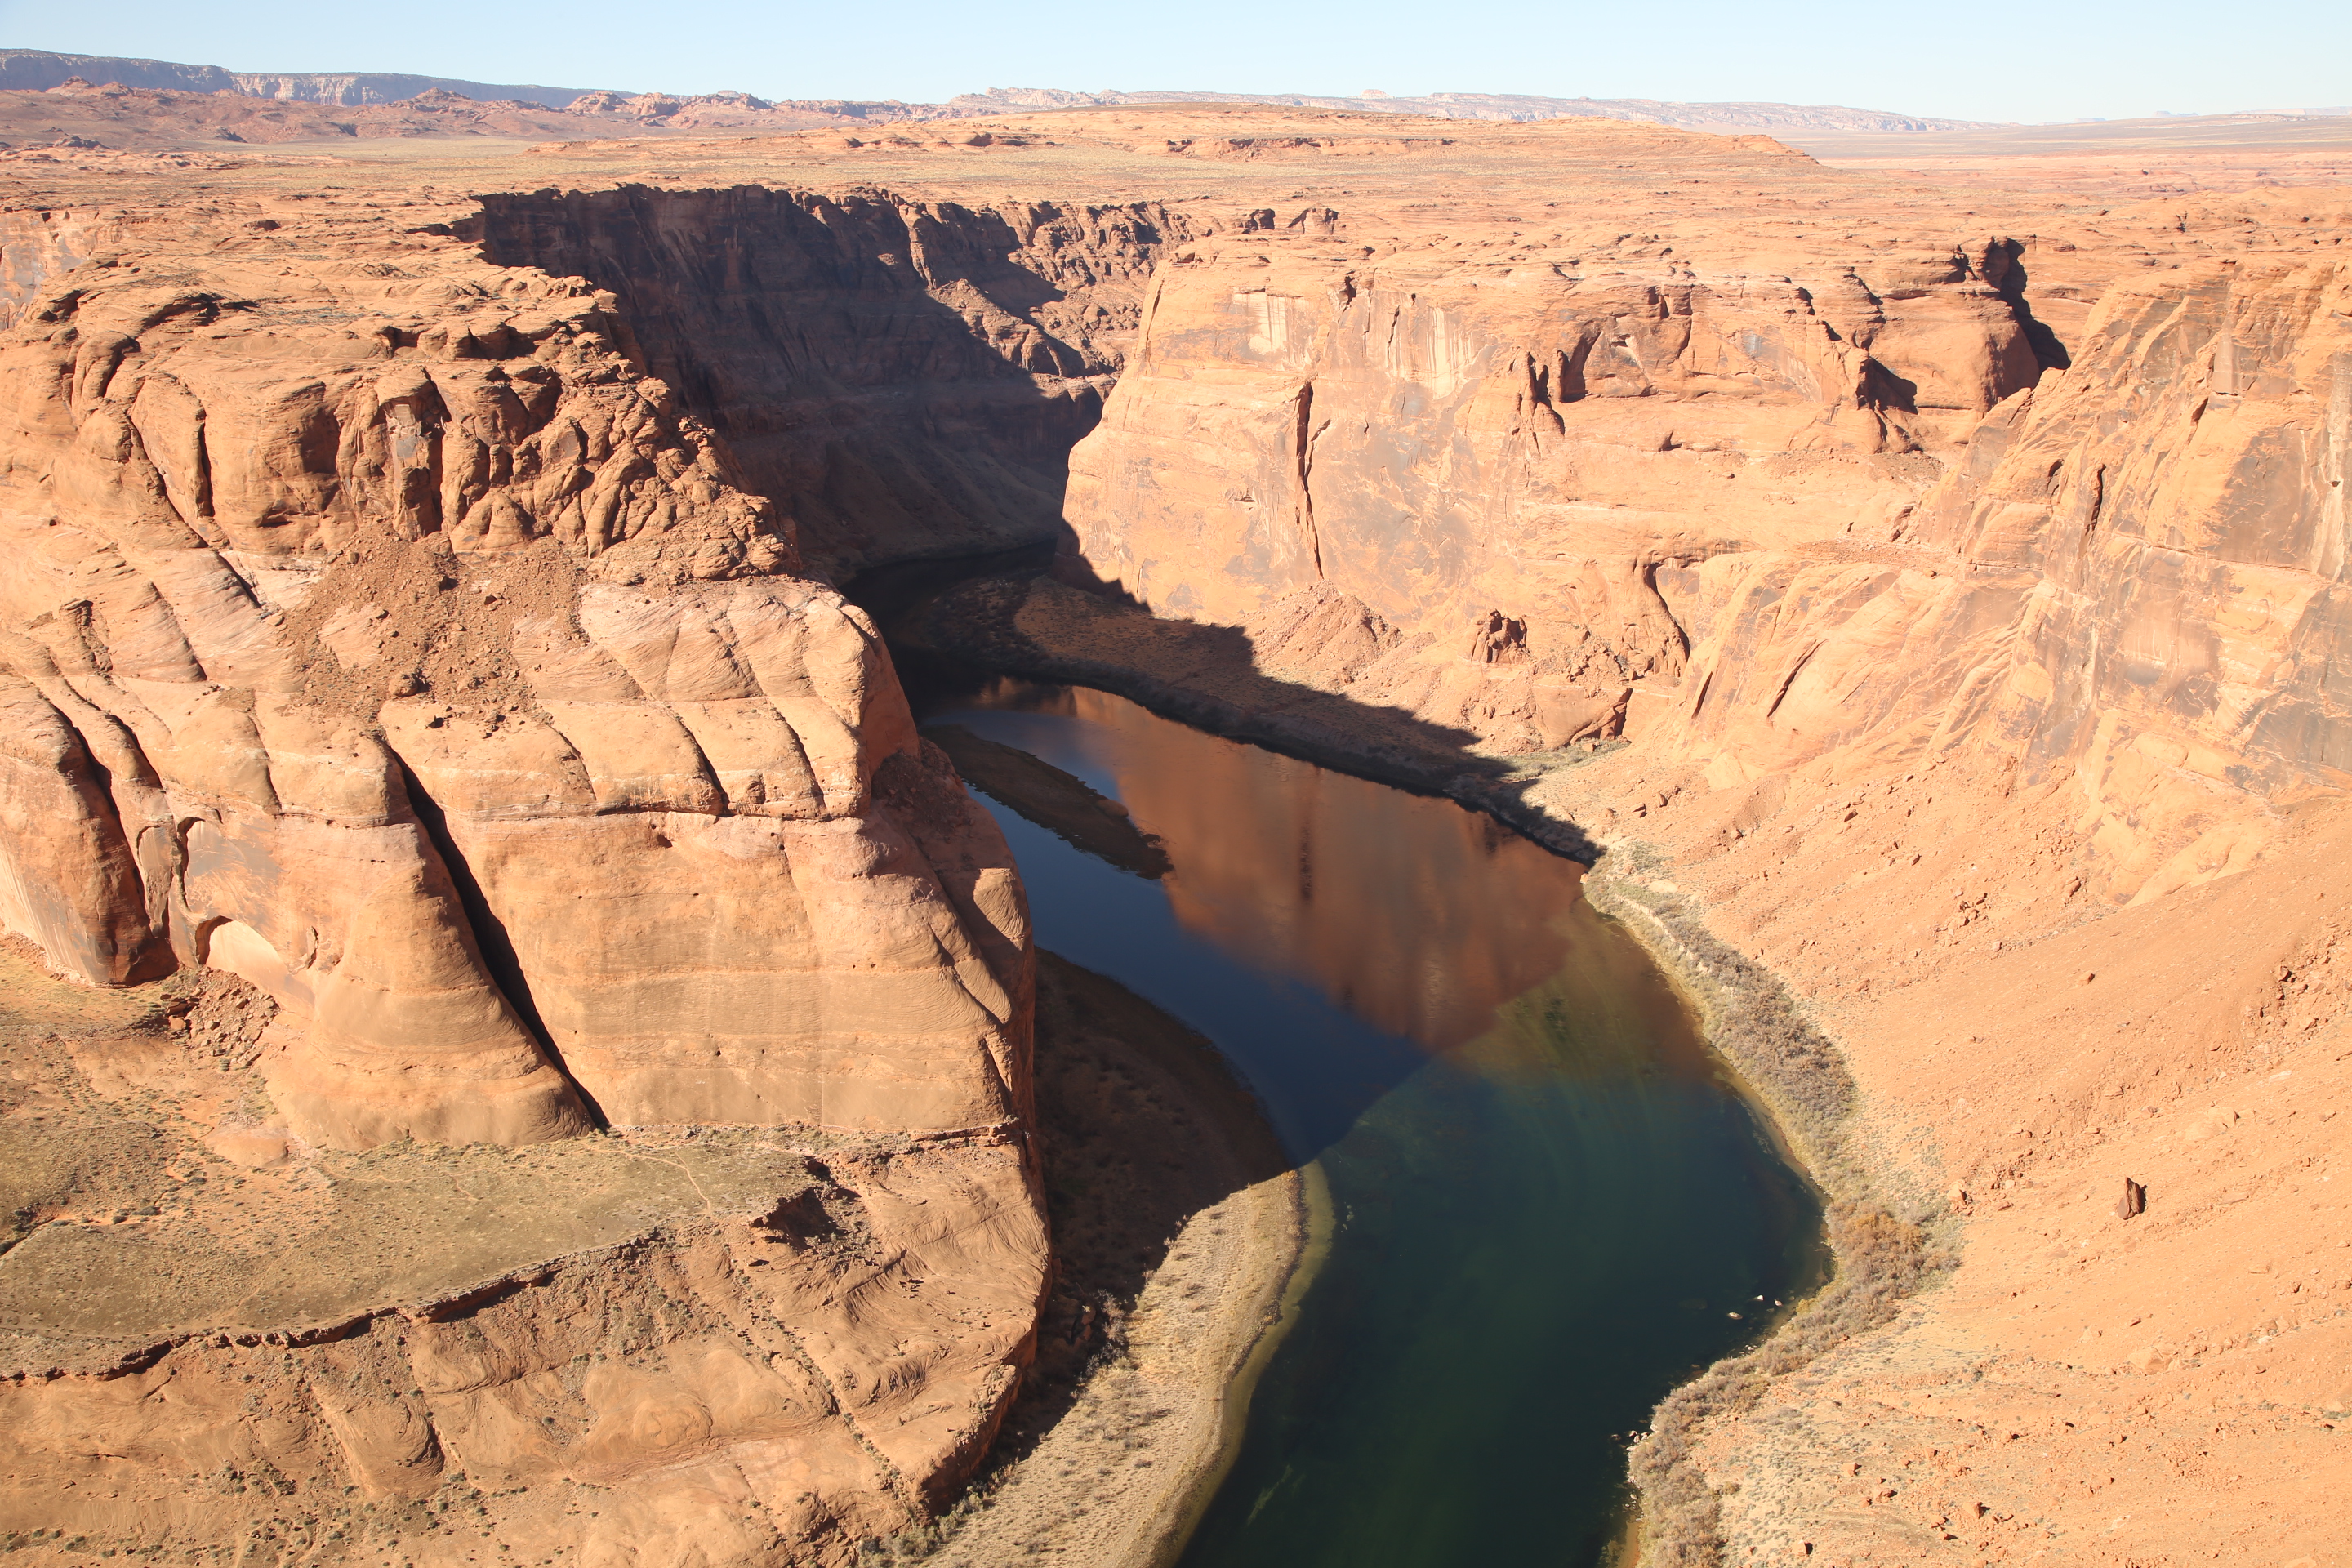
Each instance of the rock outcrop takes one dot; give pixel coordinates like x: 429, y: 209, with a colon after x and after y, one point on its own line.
x: 905, y: 378
x: 418, y: 624
x: 359, y: 632
x: 752, y: 1344
x: 382, y: 636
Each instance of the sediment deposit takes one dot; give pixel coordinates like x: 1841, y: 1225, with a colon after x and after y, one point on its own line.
x: 1928, y: 584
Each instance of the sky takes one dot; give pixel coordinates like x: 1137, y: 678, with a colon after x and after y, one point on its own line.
x: 1991, y: 59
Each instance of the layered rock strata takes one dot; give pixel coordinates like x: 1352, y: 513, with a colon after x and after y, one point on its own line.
x: 381, y: 635
x: 1959, y: 563
x: 759, y: 1345
x: 1545, y: 503
x: 461, y: 613
x: 1511, y: 462
x: 905, y: 377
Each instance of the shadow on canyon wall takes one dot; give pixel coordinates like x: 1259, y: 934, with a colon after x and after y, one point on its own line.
x: 903, y: 378
x: 1015, y: 612
x: 907, y: 380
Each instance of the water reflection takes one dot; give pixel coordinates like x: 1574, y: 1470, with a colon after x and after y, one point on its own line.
x: 1549, y: 1210
x: 1417, y: 916
x: 1420, y: 921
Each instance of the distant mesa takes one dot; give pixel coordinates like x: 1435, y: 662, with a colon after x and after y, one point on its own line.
x: 1493, y: 106
x: 44, y: 97
x: 39, y: 70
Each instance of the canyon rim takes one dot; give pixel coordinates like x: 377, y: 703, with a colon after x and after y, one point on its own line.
x: 516, y: 1047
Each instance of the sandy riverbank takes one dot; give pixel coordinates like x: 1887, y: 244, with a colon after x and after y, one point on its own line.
x: 1796, y: 1077
x: 1973, y: 1052
x: 1178, y: 1226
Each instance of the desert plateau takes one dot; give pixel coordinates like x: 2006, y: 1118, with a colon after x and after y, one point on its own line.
x: 1137, y: 830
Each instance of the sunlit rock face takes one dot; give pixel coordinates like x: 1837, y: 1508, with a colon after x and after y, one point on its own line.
x: 379, y: 634
x: 2136, y: 587
x: 1870, y: 505
x: 1506, y: 468
x: 433, y: 673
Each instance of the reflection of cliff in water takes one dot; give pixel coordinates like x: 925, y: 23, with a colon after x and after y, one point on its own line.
x: 1420, y: 923
x: 1537, y: 1229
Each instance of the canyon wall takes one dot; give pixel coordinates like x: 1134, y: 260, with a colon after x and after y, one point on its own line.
x: 383, y: 638
x: 1511, y: 461
x: 2130, y: 580
x: 610, y: 1352
x: 457, y: 614
x: 1708, y: 501
x: 418, y: 646
x: 1975, y: 720
x: 903, y: 378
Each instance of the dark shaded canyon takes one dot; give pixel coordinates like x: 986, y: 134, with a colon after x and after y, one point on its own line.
x: 905, y: 379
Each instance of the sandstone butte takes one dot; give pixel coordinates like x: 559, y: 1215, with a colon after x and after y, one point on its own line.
x: 422, y: 638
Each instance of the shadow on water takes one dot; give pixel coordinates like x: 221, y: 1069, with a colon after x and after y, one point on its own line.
x: 1142, y: 1126
x: 1551, y: 1208
x: 949, y: 617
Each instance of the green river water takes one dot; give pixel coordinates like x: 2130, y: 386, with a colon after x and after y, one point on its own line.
x: 1549, y: 1207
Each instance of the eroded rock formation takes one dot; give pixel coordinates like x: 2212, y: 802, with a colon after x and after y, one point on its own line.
x: 403, y: 649
x: 1504, y: 456
x: 408, y: 615
x: 1542, y: 502
x: 476, y: 583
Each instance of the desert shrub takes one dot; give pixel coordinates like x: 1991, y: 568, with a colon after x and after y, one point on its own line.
x: 1784, y: 1061
x: 1802, y: 1081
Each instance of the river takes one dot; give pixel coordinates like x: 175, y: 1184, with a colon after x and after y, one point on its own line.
x: 1549, y: 1206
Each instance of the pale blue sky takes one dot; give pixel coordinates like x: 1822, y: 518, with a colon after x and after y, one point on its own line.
x: 1988, y: 59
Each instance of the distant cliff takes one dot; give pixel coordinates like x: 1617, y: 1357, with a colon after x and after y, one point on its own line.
x: 1493, y: 106
x: 38, y: 70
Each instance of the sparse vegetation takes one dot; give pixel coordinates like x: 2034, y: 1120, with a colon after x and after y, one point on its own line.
x: 1880, y: 1242
x: 1880, y: 1255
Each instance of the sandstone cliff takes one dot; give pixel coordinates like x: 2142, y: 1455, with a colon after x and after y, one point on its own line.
x: 382, y: 636
x: 313, y: 603
x: 1926, y: 593
x: 1546, y: 501
x: 904, y: 378
x: 1506, y: 455
x: 2129, y: 580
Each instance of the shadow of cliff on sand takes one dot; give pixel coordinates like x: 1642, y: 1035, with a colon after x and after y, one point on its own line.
x: 1142, y: 1126
x: 1004, y: 613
